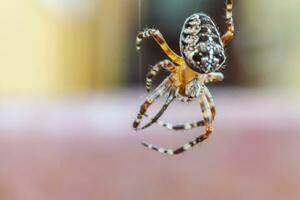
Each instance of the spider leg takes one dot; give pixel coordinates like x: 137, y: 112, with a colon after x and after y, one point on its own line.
x: 229, y: 23
x: 157, y: 36
x: 169, y: 100
x: 158, y: 92
x: 210, y: 101
x: 191, y: 125
x: 207, y: 116
x: 213, y: 77
x: 165, y: 64
x: 178, y: 127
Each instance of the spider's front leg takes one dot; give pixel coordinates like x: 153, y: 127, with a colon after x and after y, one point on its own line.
x: 229, y: 23
x: 158, y: 92
x: 157, y: 36
x: 207, y: 118
x: 165, y: 64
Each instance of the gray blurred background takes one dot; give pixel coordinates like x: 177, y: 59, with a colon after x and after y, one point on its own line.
x: 71, y: 83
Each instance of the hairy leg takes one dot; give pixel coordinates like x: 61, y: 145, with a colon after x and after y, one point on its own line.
x: 178, y: 127
x: 158, y: 92
x: 191, y: 125
x: 169, y: 100
x: 210, y: 101
x: 229, y: 23
x: 207, y: 117
x: 165, y: 64
x: 157, y: 36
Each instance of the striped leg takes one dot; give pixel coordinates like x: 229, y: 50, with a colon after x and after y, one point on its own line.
x: 207, y: 116
x: 191, y: 125
x: 169, y: 100
x: 157, y: 36
x: 211, y: 103
x: 185, y: 126
x: 165, y: 64
x: 229, y: 23
x: 212, y: 77
x: 178, y: 127
x: 158, y: 92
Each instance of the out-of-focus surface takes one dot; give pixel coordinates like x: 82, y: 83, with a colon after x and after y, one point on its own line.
x: 84, y: 148
x: 70, y: 82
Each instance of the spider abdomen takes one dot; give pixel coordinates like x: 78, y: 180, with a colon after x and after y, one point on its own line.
x: 200, y: 44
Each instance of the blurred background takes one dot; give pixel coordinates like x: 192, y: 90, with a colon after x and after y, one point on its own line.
x: 71, y: 83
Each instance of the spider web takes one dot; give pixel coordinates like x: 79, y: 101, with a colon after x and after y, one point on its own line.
x: 140, y: 72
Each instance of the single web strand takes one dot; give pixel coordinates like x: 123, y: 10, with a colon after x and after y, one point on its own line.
x: 140, y: 69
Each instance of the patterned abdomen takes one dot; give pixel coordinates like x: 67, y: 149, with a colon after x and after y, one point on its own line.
x: 201, y: 45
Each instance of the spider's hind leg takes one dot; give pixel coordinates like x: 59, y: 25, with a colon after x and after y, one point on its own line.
x: 178, y: 127
x: 207, y: 116
x: 184, y: 147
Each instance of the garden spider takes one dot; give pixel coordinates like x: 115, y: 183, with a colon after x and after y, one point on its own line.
x: 202, y: 50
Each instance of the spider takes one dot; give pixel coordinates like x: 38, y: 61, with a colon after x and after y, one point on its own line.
x: 202, y: 56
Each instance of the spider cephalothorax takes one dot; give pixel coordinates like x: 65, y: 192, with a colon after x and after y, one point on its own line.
x: 200, y: 44
x: 202, y: 55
